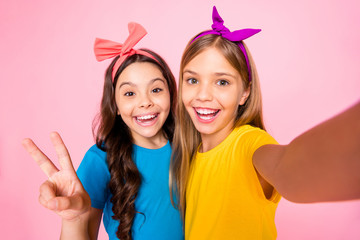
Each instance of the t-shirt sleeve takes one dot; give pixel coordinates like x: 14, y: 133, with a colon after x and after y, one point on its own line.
x: 256, y: 139
x: 94, y: 174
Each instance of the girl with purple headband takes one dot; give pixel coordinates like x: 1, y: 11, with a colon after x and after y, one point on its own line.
x: 124, y: 176
x: 228, y: 173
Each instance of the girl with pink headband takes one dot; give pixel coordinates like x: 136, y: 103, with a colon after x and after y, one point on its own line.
x: 124, y: 176
x: 227, y: 172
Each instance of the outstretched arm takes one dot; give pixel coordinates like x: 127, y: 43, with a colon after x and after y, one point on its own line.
x: 64, y: 194
x: 322, y: 164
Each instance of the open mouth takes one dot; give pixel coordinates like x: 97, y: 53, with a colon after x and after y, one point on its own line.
x: 147, y: 119
x: 206, y: 114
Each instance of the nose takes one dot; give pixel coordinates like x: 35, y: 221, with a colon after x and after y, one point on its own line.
x: 145, y: 101
x: 205, y: 92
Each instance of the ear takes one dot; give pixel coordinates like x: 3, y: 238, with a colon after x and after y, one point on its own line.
x: 244, y: 96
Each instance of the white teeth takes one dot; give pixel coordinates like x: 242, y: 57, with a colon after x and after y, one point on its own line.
x: 205, y: 111
x: 145, y: 117
x: 206, y: 117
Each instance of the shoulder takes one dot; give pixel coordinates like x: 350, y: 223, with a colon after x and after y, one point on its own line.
x: 248, y: 139
x: 249, y: 134
x: 94, y: 158
x: 95, y: 152
x: 93, y: 172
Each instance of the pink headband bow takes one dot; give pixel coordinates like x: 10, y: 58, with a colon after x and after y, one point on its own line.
x: 237, y: 36
x: 105, y: 49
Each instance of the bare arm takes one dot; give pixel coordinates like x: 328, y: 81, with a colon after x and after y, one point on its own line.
x: 322, y: 164
x: 94, y: 222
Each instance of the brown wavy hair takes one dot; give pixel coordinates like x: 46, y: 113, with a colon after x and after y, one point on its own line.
x: 186, y: 137
x: 113, y: 136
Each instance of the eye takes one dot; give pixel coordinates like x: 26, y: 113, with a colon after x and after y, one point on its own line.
x: 129, y: 94
x: 156, y: 90
x: 192, y: 81
x: 222, y: 82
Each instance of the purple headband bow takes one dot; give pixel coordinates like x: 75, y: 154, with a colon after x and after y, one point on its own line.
x: 237, y: 36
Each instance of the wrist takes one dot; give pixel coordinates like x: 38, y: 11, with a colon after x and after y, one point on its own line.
x: 75, y: 228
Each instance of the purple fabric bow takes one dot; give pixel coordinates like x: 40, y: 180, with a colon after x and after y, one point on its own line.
x: 237, y: 36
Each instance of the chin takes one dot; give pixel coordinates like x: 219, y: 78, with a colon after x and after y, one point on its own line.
x: 205, y: 130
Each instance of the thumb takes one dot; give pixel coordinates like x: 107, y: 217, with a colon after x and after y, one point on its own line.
x: 79, y: 202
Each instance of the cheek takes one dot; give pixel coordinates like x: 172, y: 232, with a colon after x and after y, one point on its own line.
x: 118, y: 100
x: 123, y: 107
x: 184, y: 100
x: 186, y: 95
x: 186, y: 104
x: 118, y: 105
x: 227, y: 98
x: 166, y: 103
x: 123, y: 111
x: 163, y: 101
x: 231, y: 97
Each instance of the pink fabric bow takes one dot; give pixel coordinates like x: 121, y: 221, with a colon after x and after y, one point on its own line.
x: 105, y: 49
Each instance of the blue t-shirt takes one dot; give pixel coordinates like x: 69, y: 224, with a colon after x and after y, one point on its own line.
x: 157, y: 219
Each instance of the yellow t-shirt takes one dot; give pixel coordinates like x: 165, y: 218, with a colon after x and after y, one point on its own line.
x: 224, y: 198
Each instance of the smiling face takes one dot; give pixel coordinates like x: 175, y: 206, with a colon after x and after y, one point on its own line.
x: 143, y: 101
x: 212, y: 90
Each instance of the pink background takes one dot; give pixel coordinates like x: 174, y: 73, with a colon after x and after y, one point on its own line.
x: 307, y: 56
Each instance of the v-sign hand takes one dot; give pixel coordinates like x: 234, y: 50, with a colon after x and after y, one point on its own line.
x: 63, y: 192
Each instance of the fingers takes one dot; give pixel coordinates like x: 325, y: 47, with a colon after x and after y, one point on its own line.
x: 62, y: 152
x: 40, y: 158
x: 75, y: 202
x: 47, y: 194
x: 79, y: 201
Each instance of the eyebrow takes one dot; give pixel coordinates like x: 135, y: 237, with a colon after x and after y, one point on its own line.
x: 224, y: 74
x: 126, y: 83
x: 219, y: 74
x: 133, y: 85
x: 190, y: 72
x: 158, y: 79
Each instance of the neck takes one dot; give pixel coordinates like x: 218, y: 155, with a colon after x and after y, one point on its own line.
x: 155, y: 142
x: 210, y: 141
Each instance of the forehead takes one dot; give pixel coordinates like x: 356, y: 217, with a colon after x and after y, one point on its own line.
x: 211, y: 60
x: 140, y: 72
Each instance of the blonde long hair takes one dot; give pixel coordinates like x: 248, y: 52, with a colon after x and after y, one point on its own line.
x: 186, y: 137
